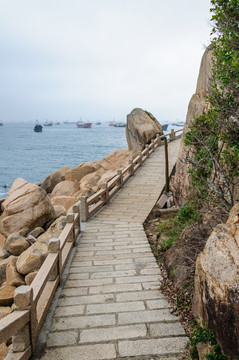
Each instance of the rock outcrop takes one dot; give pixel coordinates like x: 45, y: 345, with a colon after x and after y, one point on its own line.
x: 32, y: 258
x: 141, y: 127
x: 216, y: 298
x: 197, y: 106
x: 53, y: 179
x: 26, y: 207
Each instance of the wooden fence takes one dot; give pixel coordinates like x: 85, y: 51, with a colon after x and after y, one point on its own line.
x: 32, y: 302
x: 89, y: 206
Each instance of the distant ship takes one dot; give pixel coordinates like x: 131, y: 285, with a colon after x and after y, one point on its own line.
x: 57, y: 123
x: 81, y: 124
x: 70, y: 122
x: 178, y: 123
x: 1, y: 124
x: 119, y: 124
x: 98, y: 123
x: 37, y: 127
x: 48, y: 123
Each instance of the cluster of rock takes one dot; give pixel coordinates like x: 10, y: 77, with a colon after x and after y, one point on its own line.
x: 32, y: 214
x: 216, y: 282
x: 216, y: 297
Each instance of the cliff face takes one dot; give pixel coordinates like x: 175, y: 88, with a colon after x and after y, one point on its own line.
x: 216, y: 297
x: 197, y: 106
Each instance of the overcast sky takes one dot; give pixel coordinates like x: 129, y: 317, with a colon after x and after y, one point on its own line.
x: 99, y: 59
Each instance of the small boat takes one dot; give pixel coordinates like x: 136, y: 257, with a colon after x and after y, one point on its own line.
x: 180, y: 124
x: 164, y: 127
x: 81, y: 124
x: 98, y: 123
x: 57, y: 123
x: 70, y: 122
x: 37, y: 127
x: 119, y: 124
x: 1, y: 124
x: 48, y: 123
x: 111, y: 124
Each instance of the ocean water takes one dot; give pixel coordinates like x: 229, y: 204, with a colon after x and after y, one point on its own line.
x: 33, y: 156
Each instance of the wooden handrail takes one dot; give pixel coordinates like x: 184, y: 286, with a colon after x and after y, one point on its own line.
x: 37, y: 297
x: 32, y: 302
x: 92, y: 204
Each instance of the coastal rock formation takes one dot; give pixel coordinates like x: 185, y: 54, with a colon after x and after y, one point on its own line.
x: 32, y: 258
x: 2, y: 240
x: 141, y: 127
x: 54, y: 230
x: 65, y: 187
x: 16, y: 244
x: 197, y: 106
x: 80, y: 171
x: 216, y: 298
x: 53, y: 179
x: 13, y: 278
x: 26, y: 207
x: 64, y: 201
x: 7, y: 295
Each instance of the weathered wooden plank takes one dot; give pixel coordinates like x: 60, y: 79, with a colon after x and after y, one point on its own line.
x: 92, y: 199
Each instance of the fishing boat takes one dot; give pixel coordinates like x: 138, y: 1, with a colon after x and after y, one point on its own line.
x: 48, y: 123
x: 119, y: 124
x: 37, y: 127
x: 81, y: 124
x: 180, y: 124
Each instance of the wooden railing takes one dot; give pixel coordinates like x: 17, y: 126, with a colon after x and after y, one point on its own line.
x: 89, y: 206
x: 32, y: 302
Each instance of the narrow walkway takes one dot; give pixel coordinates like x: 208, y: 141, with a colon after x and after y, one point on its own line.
x: 111, y: 306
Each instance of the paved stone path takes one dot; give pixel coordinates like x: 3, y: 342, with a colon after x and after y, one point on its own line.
x: 111, y: 306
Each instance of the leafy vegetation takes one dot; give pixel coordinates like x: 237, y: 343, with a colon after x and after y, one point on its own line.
x: 215, y: 134
x: 201, y: 335
x: 172, y: 227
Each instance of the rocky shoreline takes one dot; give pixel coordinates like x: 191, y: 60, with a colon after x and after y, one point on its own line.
x: 33, y: 214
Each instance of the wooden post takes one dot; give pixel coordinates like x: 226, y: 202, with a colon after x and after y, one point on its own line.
x: 70, y: 220
x: 172, y: 135
x: 119, y: 172
x: 23, y: 296
x: 166, y: 165
x: 105, y: 186
x: 54, y: 247
x: 139, y: 153
x: 147, y: 152
x: 84, y: 209
x: 76, y: 210
x: 131, y: 169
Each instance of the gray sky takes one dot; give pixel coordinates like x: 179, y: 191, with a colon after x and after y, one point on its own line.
x: 98, y: 59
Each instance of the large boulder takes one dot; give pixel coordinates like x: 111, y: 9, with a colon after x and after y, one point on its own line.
x: 32, y: 258
x: 16, y: 244
x: 53, y: 179
x: 54, y: 230
x: 64, y: 188
x: 216, y: 297
x: 65, y: 201
x: 80, y: 171
x: 141, y: 128
x: 197, y: 106
x: 13, y: 278
x: 7, y: 295
x: 26, y: 207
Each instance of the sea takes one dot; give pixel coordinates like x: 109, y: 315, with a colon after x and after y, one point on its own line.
x: 33, y: 156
